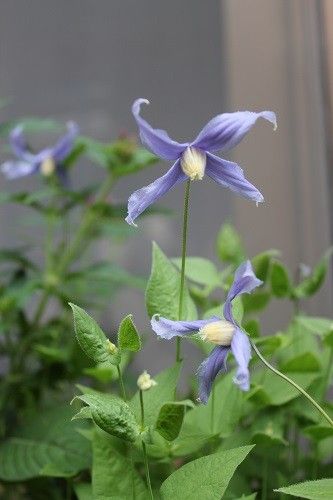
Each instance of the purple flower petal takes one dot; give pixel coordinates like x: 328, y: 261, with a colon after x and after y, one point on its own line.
x: 167, y: 329
x: 156, y: 140
x: 146, y: 196
x: 244, y: 282
x: 230, y: 175
x: 65, y: 144
x: 209, y: 369
x: 16, y: 169
x: 241, y: 349
x: 225, y: 131
x: 19, y: 145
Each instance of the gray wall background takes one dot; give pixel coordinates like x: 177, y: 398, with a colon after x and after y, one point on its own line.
x: 88, y: 61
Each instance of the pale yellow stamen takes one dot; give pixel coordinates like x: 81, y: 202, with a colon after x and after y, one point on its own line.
x: 47, y: 167
x: 113, y: 349
x: 193, y: 163
x: 218, y: 332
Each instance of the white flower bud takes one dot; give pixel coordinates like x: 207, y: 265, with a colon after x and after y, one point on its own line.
x: 193, y: 163
x: 47, y: 167
x: 145, y: 381
x: 113, y: 349
x: 218, y: 332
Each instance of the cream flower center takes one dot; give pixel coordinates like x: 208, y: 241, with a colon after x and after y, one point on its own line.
x: 193, y: 163
x: 47, y: 167
x: 145, y: 382
x: 218, y: 332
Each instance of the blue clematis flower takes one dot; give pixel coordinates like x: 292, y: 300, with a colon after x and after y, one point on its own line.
x: 193, y: 159
x: 225, y: 333
x: 47, y: 161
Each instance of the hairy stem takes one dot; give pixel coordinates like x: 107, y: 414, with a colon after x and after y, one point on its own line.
x: 144, y: 450
x: 121, y: 383
x: 182, y: 272
x: 291, y: 382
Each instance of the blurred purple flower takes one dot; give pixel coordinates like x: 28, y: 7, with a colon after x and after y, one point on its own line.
x: 193, y: 159
x: 47, y: 161
x: 226, y: 334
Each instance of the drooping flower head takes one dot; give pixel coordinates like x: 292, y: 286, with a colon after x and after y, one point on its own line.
x: 193, y: 159
x: 47, y: 161
x: 226, y: 334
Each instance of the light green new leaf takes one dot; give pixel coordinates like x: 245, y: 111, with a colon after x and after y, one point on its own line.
x: 92, y: 339
x: 128, y: 336
x: 162, y: 292
x: 280, y: 281
x: 310, y: 285
x: 315, y: 325
x: 205, y: 478
x: 201, y: 271
x: 256, y: 301
x: 229, y: 245
x: 170, y: 419
x: 156, y: 396
x: 262, y: 262
x: 113, y: 475
x: 319, y: 432
x: 111, y: 414
x: 83, y: 491
x: 322, y: 489
x: 268, y: 430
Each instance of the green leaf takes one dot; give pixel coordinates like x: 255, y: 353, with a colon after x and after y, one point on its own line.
x: 128, y: 336
x: 262, y: 262
x: 229, y: 245
x: 48, y: 444
x: 280, y: 281
x: 228, y: 408
x: 205, y: 478
x: 319, y: 432
x: 170, y: 419
x: 111, y: 414
x: 83, y: 491
x: 256, y: 301
x: 201, y: 271
x: 310, y: 285
x: 113, y: 475
x: 322, y: 489
x: 315, y: 325
x: 92, y: 339
x: 162, y: 393
x: 305, y: 362
x: 267, y: 430
x: 162, y: 293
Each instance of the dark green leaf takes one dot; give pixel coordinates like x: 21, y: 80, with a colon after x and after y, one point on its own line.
x: 310, y: 285
x: 280, y: 281
x: 170, y: 419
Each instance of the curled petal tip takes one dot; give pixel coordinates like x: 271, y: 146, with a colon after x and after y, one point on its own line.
x: 271, y: 117
x: 130, y: 221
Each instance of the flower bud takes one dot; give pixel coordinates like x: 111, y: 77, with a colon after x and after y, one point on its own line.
x: 218, y: 332
x: 193, y: 163
x: 145, y: 381
x: 47, y: 167
x: 113, y: 349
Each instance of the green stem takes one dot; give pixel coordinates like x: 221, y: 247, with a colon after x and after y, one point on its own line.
x: 87, y: 222
x: 121, y: 383
x: 291, y: 382
x: 144, y: 450
x: 182, y: 272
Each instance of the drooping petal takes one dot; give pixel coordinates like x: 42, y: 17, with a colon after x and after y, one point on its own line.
x: 16, y: 169
x: 209, y: 369
x: 225, y: 131
x: 65, y: 144
x: 156, y: 140
x: 241, y: 349
x: 167, y: 329
x: 230, y: 175
x: 19, y: 145
x: 244, y: 282
x: 146, y: 196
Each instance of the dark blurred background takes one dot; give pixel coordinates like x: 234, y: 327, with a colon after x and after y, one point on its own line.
x: 88, y: 61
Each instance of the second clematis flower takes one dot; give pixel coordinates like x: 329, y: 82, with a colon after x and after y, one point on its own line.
x: 193, y: 159
x: 226, y: 334
x: 47, y: 161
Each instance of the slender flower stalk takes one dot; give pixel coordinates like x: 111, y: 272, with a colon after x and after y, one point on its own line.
x: 182, y: 272
x: 144, y: 450
x: 291, y: 382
